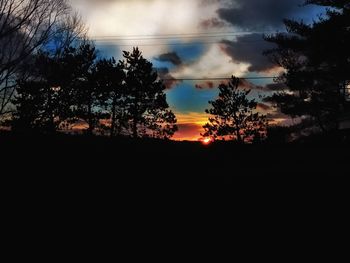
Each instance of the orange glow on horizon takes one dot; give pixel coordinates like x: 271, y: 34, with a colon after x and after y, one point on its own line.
x: 190, y: 126
x: 206, y: 141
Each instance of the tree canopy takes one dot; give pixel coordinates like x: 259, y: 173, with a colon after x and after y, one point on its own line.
x: 316, y: 58
x: 234, y: 115
x: 125, y: 98
x: 26, y: 27
x: 145, y: 101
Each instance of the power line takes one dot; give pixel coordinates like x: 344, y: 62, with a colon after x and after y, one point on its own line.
x: 194, y: 36
x: 162, y: 38
x: 158, y: 38
x: 188, y: 35
x: 165, y: 44
x: 176, y: 44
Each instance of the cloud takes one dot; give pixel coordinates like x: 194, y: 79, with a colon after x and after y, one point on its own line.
x: 249, y: 49
x: 171, y: 57
x: 212, y: 23
x: 212, y: 64
x: 168, y: 80
x: 246, y: 84
x: 156, y: 17
x: 190, y: 125
x: 243, y: 84
x: 192, y: 118
x: 124, y: 22
x: 258, y: 14
x: 143, y: 17
x: 209, y: 2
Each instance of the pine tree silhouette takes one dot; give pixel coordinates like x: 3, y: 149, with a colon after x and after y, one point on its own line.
x: 145, y: 100
x: 234, y: 117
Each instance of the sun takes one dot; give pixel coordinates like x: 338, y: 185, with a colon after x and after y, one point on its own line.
x: 207, y: 141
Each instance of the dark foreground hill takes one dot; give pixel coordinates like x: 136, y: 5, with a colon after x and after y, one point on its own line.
x: 83, y: 180
x: 80, y: 156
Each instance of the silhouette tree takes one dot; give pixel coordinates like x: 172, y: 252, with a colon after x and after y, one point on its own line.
x: 73, y: 86
x: 40, y: 98
x: 84, y: 85
x: 145, y: 102
x: 30, y: 110
x: 317, y: 62
x: 25, y: 27
x: 110, y: 81
x: 234, y: 116
x: 57, y: 90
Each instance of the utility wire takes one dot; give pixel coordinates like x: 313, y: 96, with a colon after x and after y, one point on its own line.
x: 163, y: 44
x: 162, y: 38
x: 187, y: 35
x: 175, y: 44
x: 183, y: 36
x: 194, y: 36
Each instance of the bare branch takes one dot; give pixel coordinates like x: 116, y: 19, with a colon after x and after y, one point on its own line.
x: 26, y: 26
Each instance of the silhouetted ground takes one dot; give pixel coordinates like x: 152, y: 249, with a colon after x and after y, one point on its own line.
x: 80, y: 158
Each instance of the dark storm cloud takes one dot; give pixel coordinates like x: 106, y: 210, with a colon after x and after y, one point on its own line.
x: 244, y: 84
x: 249, y: 49
x: 171, y: 57
x: 162, y: 72
x: 168, y: 80
x: 212, y: 23
x: 260, y: 14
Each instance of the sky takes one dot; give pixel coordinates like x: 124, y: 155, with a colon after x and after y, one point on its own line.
x: 196, y: 39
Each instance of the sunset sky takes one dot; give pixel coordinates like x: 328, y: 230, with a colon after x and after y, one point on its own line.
x: 195, y: 39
